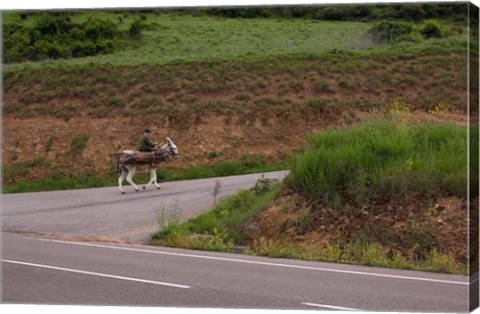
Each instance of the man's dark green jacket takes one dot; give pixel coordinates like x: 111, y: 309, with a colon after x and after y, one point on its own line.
x: 146, y: 144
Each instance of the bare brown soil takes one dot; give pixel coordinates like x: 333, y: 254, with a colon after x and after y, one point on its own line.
x: 229, y: 138
x: 412, y: 227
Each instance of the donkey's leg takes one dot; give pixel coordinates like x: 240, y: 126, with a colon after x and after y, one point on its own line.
x: 121, y: 177
x: 131, y: 173
x: 155, y: 178
x: 150, y: 180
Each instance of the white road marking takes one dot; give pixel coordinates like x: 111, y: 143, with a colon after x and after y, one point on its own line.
x: 261, y: 263
x: 333, y: 307
x: 97, y: 274
x: 473, y: 281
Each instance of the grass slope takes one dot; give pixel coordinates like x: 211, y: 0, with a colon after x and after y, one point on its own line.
x: 382, y: 160
x: 171, y: 38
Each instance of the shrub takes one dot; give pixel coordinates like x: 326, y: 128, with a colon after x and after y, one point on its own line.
x: 115, y: 102
x: 305, y: 221
x: 51, y: 24
x: 343, y: 12
x: 263, y: 185
x: 411, y: 12
x: 316, y: 104
x: 15, y: 41
x: 431, y: 29
x: 78, y: 143
x: 373, y: 255
x: 96, y: 29
x: 213, y: 155
x: 442, y: 263
x: 331, y: 253
x: 457, y: 11
x: 322, y: 86
x: 390, y: 32
x: 244, y: 12
x: 411, y: 37
x: 55, y: 36
x: 135, y: 30
x: 252, y: 161
x: 48, y: 146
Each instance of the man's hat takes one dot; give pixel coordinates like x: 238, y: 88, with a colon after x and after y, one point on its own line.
x: 147, y: 131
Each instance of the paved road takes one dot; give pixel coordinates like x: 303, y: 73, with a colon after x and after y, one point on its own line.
x: 59, y: 272
x: 105, y: 214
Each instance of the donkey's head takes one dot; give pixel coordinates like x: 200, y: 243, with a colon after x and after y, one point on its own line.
x: 173, y: 148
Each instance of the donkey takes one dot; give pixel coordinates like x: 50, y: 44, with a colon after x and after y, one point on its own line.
x: 129, y: 160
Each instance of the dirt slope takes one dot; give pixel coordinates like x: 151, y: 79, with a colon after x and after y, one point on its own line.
x: 212, y: 111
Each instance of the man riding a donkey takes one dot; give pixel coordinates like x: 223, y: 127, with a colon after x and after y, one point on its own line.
x: 146, y: 144
x: 149, y: 155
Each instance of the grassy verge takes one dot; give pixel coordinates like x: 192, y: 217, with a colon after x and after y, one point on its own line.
x: 222, y: 169
x: 368, y: 254
x: 17, y: 183
x: 381, y: 160
x: 58, y: 181
x: 221, y: 228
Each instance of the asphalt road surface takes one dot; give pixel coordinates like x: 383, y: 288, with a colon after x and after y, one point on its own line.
x: 105, y: 214
x: 46, y: 260
x: 50, y: 271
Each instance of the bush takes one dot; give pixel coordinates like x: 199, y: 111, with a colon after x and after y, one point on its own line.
x: 442, y: 263
x: 55, y: 36
x: 16, y: 40
x: 244, y: 12
x: 391, y: 32
x: 51, y: 25
x: 78, y: 143
x: 96, y: 29
x: 135, y: 30
x: 263, y: 185
x: 344, y: 12
x: 411, y: 12
x: 431, y: 29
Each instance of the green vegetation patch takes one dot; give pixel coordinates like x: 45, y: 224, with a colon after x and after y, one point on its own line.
x: 15, y: 180
x: 18, y: 171
x: 78, y: 143
x: 59, y: 181
x: 221, y: 228
x: 368, y: 254
x: 382, y: 160
x: 396, y: 31
x: 57, y: 35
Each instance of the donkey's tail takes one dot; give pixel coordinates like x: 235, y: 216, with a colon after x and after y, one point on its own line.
x: 121, y: 169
